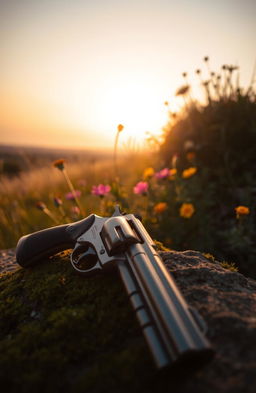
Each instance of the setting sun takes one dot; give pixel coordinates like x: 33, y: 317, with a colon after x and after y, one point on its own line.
x: 72, y: 71
x: 135, y: 103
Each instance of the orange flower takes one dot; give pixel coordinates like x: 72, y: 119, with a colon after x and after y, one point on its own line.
x: 59, y: 164
x: 242, y: 211
x: 187, y: 210
x: 120, y: 127
x: 160, y: 207
x: 148, y: 172
x: 173, y: 172
x: 189, y: 172
x: 191, y: 155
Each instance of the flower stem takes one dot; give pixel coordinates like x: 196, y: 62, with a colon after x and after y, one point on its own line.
x: 115, y: 155
x: 71, y: 187
x: 49, y: 214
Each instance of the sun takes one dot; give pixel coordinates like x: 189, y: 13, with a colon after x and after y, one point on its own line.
x: 135, y: 104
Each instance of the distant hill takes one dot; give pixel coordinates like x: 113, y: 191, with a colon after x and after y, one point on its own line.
x: 17, y: 159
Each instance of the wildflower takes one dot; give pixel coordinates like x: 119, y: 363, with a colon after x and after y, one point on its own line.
x: 198, y: 72
x: 41, y: 205
x: 184, y: 74
x: 172, y: 173
x: 174, y: 160
x: 191, y: 155
x: 160, y: 207
x: 73, y: 195
x: 75, y: 210
x: 101, y: 190
x: 182, y: 90
x: 148, y: 172
x: 120, y: 127
x: 187, y: 210
x: 206, y: 83
x: 189, y: 172
x: 166, y: 103
x: 188, y: 145
x: 206, y: 58
x: 59, y: 164
x: 163, y: 174
x: 141, y: 188
x: 82, y: 182
x: 57, y: 201
x: 242, y: 211
x: 231, y: 68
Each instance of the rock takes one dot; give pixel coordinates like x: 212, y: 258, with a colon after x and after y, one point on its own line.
x: 7, y: 261
x: 227, y: 302
x: 61, y: 332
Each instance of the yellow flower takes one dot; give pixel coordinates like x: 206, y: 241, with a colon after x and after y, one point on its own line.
x: 59, y: 164
x: 173, y: 172
x: 148, y: 172
x: 189, y: 172
x: 242, y: 211
x: 160, y: 207
x: 120, y: 127
x: 187, y: 210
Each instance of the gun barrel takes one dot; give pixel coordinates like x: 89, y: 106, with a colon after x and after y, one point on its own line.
x: 170, y: 329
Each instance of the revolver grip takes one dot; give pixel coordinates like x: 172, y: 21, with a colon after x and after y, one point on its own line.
x: 37, y: 246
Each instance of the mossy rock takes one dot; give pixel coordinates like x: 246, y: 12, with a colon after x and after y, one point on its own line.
x: 60, y: 332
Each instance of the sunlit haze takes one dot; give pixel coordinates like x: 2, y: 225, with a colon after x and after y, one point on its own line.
x: 71, y: 71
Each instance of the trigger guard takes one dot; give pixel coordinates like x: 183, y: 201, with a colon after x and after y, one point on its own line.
x: 96, y: 268
x: 87, y: 272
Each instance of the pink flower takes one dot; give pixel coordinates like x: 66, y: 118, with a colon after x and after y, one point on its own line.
x: 72, y: 195
x: 82, y: 182
x: 57, y: 201
x: 141, y: 188
x: 101, y: 190
x: 163, y: 174
x: 75, y: 210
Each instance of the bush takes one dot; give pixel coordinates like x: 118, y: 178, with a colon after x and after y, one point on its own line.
x: 219, y: 139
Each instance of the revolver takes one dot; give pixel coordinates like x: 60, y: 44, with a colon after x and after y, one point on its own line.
x: 174, y: 332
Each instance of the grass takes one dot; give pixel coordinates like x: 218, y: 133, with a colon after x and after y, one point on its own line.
x: 19, y: 195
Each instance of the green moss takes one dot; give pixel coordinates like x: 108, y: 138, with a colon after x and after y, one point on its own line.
x: 63, y: 332
x: 230, y: 266
x: 209, y: 256
x: 160, y: 246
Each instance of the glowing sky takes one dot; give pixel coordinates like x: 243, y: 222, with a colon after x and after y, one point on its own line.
x: 72, y: 70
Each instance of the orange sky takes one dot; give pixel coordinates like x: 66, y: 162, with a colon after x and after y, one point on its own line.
x: 72, y: 70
